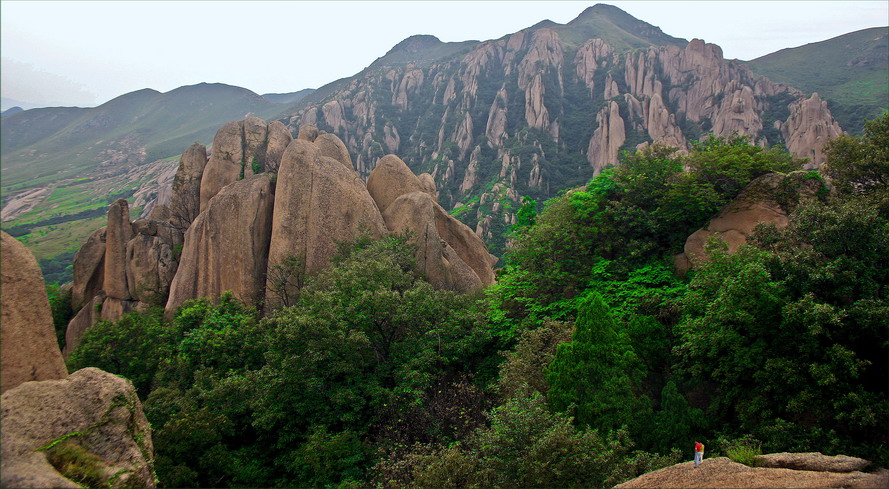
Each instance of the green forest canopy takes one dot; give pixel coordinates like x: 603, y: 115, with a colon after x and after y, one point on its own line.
x: 588, y: 363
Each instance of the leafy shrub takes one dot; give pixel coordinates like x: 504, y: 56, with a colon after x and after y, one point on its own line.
x: 744, y: 451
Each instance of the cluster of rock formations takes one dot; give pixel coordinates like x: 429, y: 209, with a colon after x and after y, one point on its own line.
x: 45, y: 410
x: 667, y: 94
x: 772, y: 470
x: 261, y: 198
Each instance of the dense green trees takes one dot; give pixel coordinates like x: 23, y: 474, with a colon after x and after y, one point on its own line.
x: 588, y: 350
x: 633, y: 215
x: 295, y: 399
x: 597, y: 375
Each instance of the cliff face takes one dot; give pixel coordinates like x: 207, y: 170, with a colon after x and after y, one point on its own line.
x: 545, y: 108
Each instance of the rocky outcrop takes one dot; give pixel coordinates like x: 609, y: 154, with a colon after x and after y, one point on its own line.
x: 332, y: 147
x: 224, y: 165
x: 319, y: 202
x: 390, y: 179
x: 240, y: 149
x: 28, y: 347
x: 722, y: 472
x: 607, y: 139
x: 812, y: 461
x: 414, y: 212
x: 767, y: 199
x: 226, y: 247
x: 93, y: 413
x: 467, y: 244
x: 113, y: 309
x: 87, y: 316
x: 428, y: 183
x: 151, y: 266
x: 808, y: 129
x: 89, y: 269
x: 279, y: 138
x: 448, y: 252
x: 117, y: 234
x: 185, y: 202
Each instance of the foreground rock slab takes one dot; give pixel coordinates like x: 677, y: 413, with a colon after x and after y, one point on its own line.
x: 813, y: 461
x: 723, y: 472
x: 91, y: 412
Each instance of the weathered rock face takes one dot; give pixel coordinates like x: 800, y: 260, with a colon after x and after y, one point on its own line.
x: 758, y: 203
x: 722, y: 472
x: 307, y: 132
x: 415, y: 212
x: 117, y: 234
x: 808, y: 129
x: 467, y: 244
x: 88, y: 315
x: 226, y: 247
x: 185, y: 200
x: 449, y: 253
x: 151, y: 267
x: 390, y: 179
x: 607, y: 139
x: 28, y: 347
x: 240, y: 149
x: 332, y: 147
x: 89, y: 269
x: 224, y: 165
x: 113, y: 309
x: 94, y: 410
x: 279, y: 138
x: 318, y: 203
x: 428, y: 183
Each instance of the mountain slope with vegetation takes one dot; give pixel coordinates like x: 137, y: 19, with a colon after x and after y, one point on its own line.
x: 43, y: 145
x: 538, y: 111
x: 62, y: 166
x: 849, y: 71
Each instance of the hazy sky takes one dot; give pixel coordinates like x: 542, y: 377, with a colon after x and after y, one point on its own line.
x: 85, y: 53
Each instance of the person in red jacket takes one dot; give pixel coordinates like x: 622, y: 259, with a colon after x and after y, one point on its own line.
x: 699, y: 453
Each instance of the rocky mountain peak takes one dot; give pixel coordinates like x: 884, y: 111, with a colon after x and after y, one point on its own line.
x: 416, y: 43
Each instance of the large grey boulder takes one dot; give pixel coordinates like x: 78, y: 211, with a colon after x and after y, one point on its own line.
x: 415, y: 213
x: 91, y: 412
x: 28, y: 346
x: 319, y: 203
x: 226, y: 248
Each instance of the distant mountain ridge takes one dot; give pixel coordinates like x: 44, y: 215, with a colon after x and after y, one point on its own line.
x: 850, y: 71
x: 287, y: 98
x: 139, y: 126
x: 11, y: 110
x: 528, y: 114
x: 545, y: 108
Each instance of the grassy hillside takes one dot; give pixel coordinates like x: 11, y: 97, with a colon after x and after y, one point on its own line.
x: 619, y: 29
x: 62, y: 166
x: 287, y: 98
x: 43, y: 145
x: 850, y: 71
